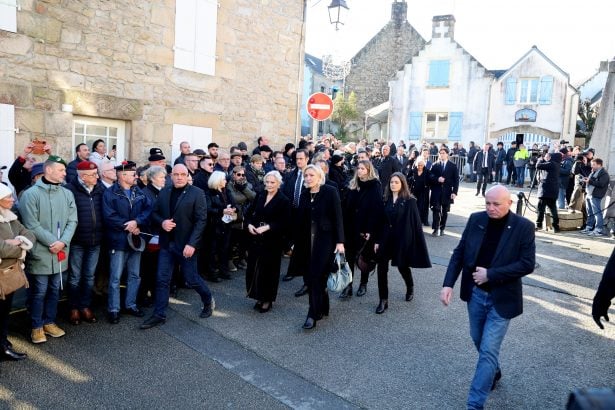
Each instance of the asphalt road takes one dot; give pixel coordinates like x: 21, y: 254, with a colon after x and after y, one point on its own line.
x: 416, y: 355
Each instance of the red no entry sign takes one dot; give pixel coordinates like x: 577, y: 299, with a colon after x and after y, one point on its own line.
x: 319, y: 106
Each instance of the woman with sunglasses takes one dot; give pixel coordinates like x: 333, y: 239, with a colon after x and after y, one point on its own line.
x: 401, y: 240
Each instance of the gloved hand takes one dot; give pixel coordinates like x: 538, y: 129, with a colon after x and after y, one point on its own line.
x: 600, y: 308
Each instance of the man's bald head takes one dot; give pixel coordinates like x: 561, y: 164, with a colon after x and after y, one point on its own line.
x: 497, y: 202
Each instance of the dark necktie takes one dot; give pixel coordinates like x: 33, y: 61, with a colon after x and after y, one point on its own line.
x: 298, y: 184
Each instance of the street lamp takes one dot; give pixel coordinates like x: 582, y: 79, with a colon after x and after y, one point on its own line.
x: 338, y: 9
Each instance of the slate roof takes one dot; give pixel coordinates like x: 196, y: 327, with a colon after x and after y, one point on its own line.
x: 314, y: 63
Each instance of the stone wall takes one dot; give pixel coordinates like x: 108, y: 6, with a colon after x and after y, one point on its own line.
x: 382, y: 57
x: 114, y: 59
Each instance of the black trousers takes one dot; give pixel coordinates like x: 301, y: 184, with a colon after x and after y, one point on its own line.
x: 482, y: 180
x: 383, y: 280
x: 5, y: 310
x: 440, y: 215
x: 499, y: 171
x: 512, y: 173
x: 542, y: 204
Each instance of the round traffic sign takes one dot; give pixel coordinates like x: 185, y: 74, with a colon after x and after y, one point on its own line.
x: 319, y: 106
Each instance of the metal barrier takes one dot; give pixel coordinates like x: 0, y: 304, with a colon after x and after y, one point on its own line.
x: 457, y: 160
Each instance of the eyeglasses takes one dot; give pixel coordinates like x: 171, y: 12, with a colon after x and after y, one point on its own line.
x: 209, y: 164
x: 239, y: 175
x: 176, y: 174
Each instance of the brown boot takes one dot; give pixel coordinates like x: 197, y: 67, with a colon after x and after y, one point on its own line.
x: 74, y: 318
x: 38, y: 335
x: 88, y: 315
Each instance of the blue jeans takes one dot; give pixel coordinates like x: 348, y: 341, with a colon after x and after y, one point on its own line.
x: 520, y: 175
x: 118, y: 260
x: 561, y: 198
x: 44, y: 296
x: 594, y: 213
x: 188, y: 266
x: 487, y: 329
x: 83, y: 261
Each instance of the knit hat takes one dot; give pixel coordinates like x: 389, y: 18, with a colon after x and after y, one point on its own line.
x: 242, y: 146
x: 5, y: 191
x: 336, y: 158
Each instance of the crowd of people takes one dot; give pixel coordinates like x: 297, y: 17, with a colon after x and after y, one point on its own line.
x: 212, y: 212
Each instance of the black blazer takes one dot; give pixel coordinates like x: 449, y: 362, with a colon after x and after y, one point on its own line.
x: 441, y: 192
x: 288, y: 187
x: 480, y: 157
x: 190, y: 215
x: 514, y: 258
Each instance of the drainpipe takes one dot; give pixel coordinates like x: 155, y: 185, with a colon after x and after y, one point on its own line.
x: 300, y: 77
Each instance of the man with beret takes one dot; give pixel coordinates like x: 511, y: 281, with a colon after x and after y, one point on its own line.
x: 48, y: 210
x: 82, y: 152
x: 85, y: 246
x: 126, y: 210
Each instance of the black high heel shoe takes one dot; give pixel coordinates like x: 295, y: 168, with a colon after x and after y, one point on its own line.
x: 309, y: 323
x: 382, y: 306
x: 264, y: 309
x: 346, y: 293
x: 409, y: 294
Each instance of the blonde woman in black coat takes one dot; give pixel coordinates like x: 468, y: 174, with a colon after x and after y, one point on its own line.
x: 320, y: 233
x: 401, y: 239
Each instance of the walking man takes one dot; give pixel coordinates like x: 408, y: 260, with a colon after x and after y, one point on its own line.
x: 181, y: 212
x: 444, y: 178
x: 496, y: 250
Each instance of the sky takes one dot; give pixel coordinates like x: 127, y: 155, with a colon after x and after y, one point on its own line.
x: 575, y: 35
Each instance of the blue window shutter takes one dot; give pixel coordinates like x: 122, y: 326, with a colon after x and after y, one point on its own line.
x: 439, y: 73
x: 416, y: 125
x: 534, y: 91
x: 454, y: 126
x: 523, y: 96
x: 511, y: 90
x: 546, y: 89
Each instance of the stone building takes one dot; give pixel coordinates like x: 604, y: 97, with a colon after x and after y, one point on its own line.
x: 442, y: 94
x: 378, y: 61
x: 143, y: 74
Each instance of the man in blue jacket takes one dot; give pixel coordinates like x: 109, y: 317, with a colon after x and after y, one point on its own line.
x: 496, y: 250
x: 126, y: 210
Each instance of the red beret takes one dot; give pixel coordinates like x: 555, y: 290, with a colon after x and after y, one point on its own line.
x: 86, y: 166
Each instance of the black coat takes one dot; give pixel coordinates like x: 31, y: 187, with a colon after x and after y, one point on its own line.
x: 363, y: 210
x: 288, y: 186
x: 514, y: 258
x: 217, y: 201
x: 152, y: 193
x: 480, y: 157
x: 19, y: 177
x: 401, y: 238
x: 337, y: 175
x: 549, y: 176
x: 90, y: 224
x: 386, y: 167
x: 441, y: 192
x: 189, y: 214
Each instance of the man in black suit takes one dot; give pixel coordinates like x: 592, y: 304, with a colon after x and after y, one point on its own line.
x: 401, y: 157
x: 444, y: 181
x: 181, y: 212
x: 387, y: 166
x: 497, y: 248
x: 483, y: 167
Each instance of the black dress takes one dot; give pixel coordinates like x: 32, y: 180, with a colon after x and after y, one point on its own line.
x: 265, y: 253
x: 419, y: 186
x: 319, y: 229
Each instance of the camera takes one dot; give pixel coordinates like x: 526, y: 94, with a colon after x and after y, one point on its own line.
x: 564, y: 142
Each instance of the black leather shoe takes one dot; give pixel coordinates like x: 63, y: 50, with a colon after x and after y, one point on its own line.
x: 309, y: 323
x: 9, y: 354
x: 113, y: 318
x: 288, y: 278
x: 258, y: 305
x: 362, y: 290
x: 382, y: 306
x: 208, y: 310
x: 213, y: 279
x: 264, y: 309
x: 302, y: 291
x: 136, y: 312
x: 409, y: 294
x: 498, y: 376
x: 151, y: 322
x: 435, y: 233
x: 441, y: 232
x: 346, y: 293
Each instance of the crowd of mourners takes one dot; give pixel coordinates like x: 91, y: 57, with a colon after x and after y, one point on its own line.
x: 160, y: 227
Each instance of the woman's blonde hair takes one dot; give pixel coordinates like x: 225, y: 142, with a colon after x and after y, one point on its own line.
x: 372, y: 173
x: 318, y: 171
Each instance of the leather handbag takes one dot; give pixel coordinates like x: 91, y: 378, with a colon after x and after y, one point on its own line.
x: 12, y: 278
x: 341, y: 276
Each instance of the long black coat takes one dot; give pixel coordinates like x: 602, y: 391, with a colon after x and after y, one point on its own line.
x: 401, y: 238
x: 549, y: 176
x: 441, y: 192
x: 363, y: 210
x: 386, y: 167
x: 190, y: 215
x: 265, y: 255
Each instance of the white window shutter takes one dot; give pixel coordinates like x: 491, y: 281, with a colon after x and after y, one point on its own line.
x: 198, y: 137
x: 8, y: 15
x: 195, y: 35
x: 7, y: 137
x: 185, y: 33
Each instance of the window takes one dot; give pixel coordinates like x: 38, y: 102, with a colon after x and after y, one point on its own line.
x: 195, y: 35
x: 436, y: 126
x: 112, y: 132
x: 7, y: 137
x: 438, y: 73
x: 198, y: 137
x: 529, y: 91
x: 8, y: 15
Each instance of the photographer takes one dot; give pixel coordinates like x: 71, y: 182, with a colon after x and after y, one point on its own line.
x: 548, y: 188
x: 564, y: 177
x: 535, y: 154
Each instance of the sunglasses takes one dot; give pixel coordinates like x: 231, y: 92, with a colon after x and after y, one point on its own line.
x: 239, y: 175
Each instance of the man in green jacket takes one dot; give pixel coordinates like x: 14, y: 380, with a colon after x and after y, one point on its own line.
x: 48, y: 210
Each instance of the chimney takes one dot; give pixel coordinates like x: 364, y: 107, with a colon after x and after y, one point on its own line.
x: 443, y: 27
x: 399, y: 12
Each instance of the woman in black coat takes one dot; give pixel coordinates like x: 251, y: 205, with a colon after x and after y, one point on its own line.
x: 320, y: 234
x: 363, y: 210
x: 337, y: 173
x: 266, y: 218
x: 220, y: 204
x: 419, y: 187
x: 401, y: 239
